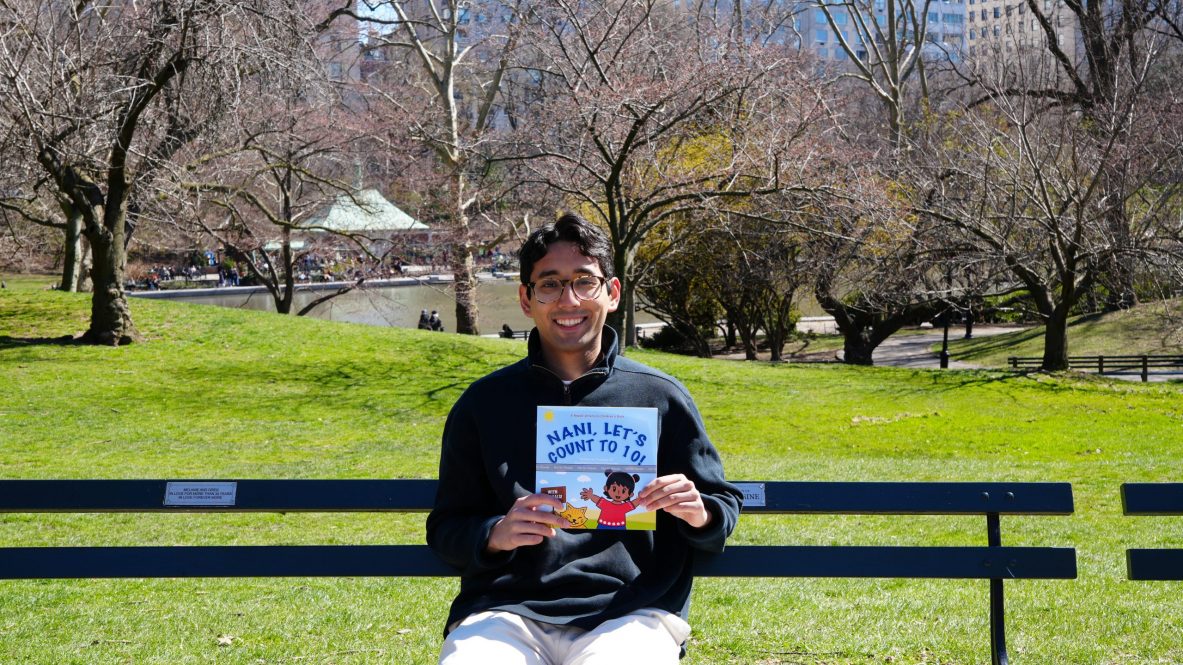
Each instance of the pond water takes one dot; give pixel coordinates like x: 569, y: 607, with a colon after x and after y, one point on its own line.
x: 392, y: 306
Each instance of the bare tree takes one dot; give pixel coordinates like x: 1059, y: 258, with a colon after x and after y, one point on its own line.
x: 1039, y: 188
x: 650, y: 114
x: 875, y: 267
x: 456, y: 55
x: 1093, y: 59
x: 885, y: 43
x: 257, y: 185
x: 102, y: 93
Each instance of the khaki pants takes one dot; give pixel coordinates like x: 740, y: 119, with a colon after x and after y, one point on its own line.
x: 652, y: 637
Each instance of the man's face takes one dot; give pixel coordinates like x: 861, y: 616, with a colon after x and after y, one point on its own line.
x: 568, y: 326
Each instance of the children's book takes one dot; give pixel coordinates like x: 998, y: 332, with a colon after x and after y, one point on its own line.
x: 595, y: 460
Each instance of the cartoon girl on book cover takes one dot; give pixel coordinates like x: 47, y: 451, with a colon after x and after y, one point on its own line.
x: 619, y: 487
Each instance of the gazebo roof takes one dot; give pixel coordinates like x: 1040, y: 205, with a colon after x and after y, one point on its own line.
x: 366, y: 210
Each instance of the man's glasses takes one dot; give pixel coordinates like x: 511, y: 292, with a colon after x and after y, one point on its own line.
x: 550, y: 289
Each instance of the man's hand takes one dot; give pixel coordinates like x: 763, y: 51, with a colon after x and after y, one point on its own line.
x: 677, y: 495
x: 525, y: 524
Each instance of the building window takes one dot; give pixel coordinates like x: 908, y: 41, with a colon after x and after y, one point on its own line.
x: 819, y: 17
x: 821, y: 36
x: 998, y: 12
x: 933, y: 17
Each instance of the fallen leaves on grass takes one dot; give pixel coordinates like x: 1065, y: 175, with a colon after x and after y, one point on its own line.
x: 880, y: 420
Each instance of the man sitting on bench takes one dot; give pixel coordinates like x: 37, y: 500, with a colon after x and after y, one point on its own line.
x: 531, y: 592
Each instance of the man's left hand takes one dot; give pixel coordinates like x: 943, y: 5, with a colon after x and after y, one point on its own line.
x: 676, y: 495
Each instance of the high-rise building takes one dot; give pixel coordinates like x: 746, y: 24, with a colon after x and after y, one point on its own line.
x: 1005, y: 29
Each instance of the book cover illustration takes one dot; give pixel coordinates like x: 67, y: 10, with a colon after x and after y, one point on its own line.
x: 595, y: 460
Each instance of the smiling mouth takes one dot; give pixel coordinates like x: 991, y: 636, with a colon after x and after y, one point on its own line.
x: 570, y: 322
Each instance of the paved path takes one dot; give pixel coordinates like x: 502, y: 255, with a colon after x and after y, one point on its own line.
x: 915, y: 350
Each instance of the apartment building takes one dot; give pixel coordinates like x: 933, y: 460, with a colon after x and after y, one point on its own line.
x: 1007, y: 28
x: 860, y: 23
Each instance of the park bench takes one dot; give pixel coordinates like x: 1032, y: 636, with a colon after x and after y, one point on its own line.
x: 993, y: 562
x: 509, y: 333
x: 1153, y: 499
x: 1108, y: 364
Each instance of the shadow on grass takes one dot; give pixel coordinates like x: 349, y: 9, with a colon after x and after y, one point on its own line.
x: 8, y: 342
x: 408, y: 391
x: 985, y: 346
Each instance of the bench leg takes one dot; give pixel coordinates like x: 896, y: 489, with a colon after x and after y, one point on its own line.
x: 998, y: 655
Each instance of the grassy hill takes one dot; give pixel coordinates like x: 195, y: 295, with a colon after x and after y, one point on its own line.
x: 1152, y: 328
x: 219, y: 393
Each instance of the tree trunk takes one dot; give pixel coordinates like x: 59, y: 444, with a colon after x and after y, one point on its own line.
x: 857, y: 346
x: 623, y: 320
x: 1055, y: 341
x: 464, y: 283
x: 749, y: 345
x: 463, y: 260
x: 110, y: 316
x: 85, y: 265
x: 72, y: 263
x: 286, y: 290
x: 1119, y: 269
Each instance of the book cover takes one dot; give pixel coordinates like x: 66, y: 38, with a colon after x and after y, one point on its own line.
x: 596, y: 460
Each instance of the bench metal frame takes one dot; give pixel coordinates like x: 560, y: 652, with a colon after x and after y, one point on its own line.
x: 994, y: 562
x: 1153, y: 499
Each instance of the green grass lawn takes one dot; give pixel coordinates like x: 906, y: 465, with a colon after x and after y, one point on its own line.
x: 221, y: 393
x: 28, y: 282
x: 1152, y: 328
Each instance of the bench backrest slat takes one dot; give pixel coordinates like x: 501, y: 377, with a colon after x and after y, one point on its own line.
x: 417, y: 495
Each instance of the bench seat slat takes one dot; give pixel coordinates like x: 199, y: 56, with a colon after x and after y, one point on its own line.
x: 1151, y: 565
x: 357, y: 495
x: 891, y: 561
x: 420, y: 561
x: 1152, y: 498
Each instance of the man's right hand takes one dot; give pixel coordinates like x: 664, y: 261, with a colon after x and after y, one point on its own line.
x: 525, y: 524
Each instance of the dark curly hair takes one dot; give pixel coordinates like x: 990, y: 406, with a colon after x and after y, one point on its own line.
x: 572, y: 228
x: 625, y: 480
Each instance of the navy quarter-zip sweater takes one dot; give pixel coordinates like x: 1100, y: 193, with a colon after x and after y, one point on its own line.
x: 578, y: 578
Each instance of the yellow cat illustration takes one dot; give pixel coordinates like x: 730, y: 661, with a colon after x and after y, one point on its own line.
x: 576, y: 516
